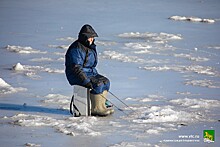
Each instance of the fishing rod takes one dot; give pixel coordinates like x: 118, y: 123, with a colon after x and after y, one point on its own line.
x: 114, y: 105
x: 111, y: 103
x: 122, y: 101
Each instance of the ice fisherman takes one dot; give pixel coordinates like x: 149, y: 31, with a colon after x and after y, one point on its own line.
x: 80, y: 61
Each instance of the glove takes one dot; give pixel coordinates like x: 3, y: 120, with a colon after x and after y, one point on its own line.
x: 89, y: 85
x: 96, y: 81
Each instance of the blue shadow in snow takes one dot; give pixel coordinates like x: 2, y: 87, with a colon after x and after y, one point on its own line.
x: 27, y: 108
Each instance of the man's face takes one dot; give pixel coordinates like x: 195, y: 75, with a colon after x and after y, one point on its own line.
x: 90, y: 40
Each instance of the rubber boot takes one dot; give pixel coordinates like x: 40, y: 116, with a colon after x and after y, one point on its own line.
x: 105, y: 93
x: 98, y: 107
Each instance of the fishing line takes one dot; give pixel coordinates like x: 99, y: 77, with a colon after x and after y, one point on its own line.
x: 122, y: 102
x: 112, y: 103
x: 115, y: 105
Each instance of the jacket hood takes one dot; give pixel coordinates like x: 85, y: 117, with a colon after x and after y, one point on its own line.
x: 86, y: 32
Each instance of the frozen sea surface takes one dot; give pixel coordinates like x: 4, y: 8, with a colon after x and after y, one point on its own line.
x: 162, y: 58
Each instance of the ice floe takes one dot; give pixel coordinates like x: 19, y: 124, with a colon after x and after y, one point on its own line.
x: 197, y: 103
x: 114, y: 55
x: 59, y: 53
x: 162, y: 37
x: 32, y: 145
x: 59, y: 46
x: 142, y: 48
x: 192, y: 19
x: 105, y: 43
x: 206, y: 70
x: 70, y: 39
x: 217, y: 47
x: 18, y: 67
x: 26, y: 68
x: 184, y: 93
x: 203, y: 83
x: 49, y: 70
x: 61, y: 100
x: 148, y: 48
x: 41, y: 59
x: 31, y: 71
x: 61, y: 59
x: 149, y: 98
x: 190, y: 57
x: 156, y: 119
x: 138, y: 45
x: 121, y: 57
x: 161, y: 68
x: 168, y: 114
x: 72, y: 126
x: 23, y: 50
x: 6, y: 88
x: 29, y: 68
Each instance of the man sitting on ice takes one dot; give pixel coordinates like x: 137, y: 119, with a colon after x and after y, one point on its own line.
x: 80, y: 61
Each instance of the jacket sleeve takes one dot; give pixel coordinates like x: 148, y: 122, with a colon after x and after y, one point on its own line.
x: 77, y: 59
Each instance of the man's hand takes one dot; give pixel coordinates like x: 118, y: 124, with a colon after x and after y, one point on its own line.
x: 89, y: 85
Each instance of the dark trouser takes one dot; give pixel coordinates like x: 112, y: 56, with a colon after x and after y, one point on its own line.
x: 100, y: 84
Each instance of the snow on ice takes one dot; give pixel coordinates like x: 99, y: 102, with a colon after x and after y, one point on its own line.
x: 23, y: 50
x: 169, y: 117
x: 192, y: 19
x: 190, y: 57
x: 61, y: 100
x: 59, y: 46
x: 69, y: 39
x: 32, y: 145
x: 70, y: 126
x: 149, y: 98
x: 206, y: 70
x: 114, y: 55
x: 6, y: 88
x: 165, y: 114
x: 215, y: 47
x: 203, y: 83
x: 121, y: 57
x: 196, y: 103
x: 18, y: 67
x: 41, y: 59
x: 162, y: 37
x: 138, y: 45
x: 105, y: 43
x: 31, y: 71
x: 54, y: 70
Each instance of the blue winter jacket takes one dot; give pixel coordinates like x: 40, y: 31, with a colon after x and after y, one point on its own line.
x: 81, y: 60
x: 80, y: 63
